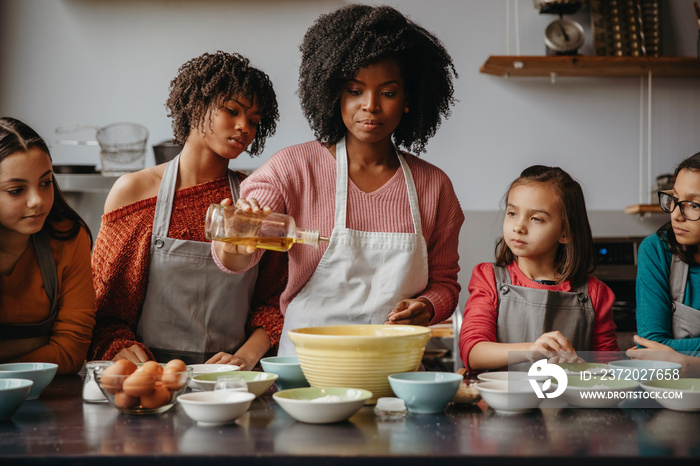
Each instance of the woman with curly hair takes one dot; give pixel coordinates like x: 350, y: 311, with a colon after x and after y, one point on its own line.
x: 371, y: 81
x: 46, y: 296
x: 159, y: 294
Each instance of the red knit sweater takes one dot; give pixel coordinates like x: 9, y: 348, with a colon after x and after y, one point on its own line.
x: 121, y: 259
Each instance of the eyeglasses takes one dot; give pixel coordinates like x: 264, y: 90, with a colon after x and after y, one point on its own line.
x: 689, y: 210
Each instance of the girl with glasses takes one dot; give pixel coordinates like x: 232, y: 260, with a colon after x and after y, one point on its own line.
x: 668, y: 273
x: 538, y: 297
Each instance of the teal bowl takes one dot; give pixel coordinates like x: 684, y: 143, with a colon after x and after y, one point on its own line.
x: 288, y: 369
x: 425, y: 392
x: 41, y: 373
x: 13, y: 392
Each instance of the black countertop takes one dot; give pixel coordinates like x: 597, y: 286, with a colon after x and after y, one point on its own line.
x: 59, y: 428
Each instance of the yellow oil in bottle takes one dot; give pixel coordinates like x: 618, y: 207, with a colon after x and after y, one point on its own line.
x: 273, y: 244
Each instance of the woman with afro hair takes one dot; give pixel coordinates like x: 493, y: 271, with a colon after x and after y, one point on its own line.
x: 371, y: 82
x: 159, y: 294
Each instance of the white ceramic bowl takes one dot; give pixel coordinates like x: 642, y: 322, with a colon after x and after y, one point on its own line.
x: 215, y: 407
x: 13, y: 392
x: 596, y: 393
x: 41, y: 373
x: 258, y: 382
x: 643, y: 370
x: 425, y: 392
x: 502, y: 376
x: 321, y: 405
x: 505, y: 376
x: 685, y: 396
x: 509, y: 397
x: 198, y: 369
x: 592, y: 368
x: 359, y: 356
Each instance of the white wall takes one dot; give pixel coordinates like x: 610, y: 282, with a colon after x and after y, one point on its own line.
x: 102, y: 61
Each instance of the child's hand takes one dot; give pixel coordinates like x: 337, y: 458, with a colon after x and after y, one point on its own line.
x: 646, y: 345
x: 654, y: 350
x: 566, y: 358
x: 412, y: 312
x: 552, y: 342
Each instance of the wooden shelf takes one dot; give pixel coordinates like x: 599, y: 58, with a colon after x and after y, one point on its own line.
x: 643, y: 209
x: 592, y: 66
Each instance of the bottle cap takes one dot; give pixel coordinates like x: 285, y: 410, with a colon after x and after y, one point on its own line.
x: 391, y: 404
x: 310, y: 237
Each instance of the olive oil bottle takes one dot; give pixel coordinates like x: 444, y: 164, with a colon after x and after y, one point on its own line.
x: 277, y: 232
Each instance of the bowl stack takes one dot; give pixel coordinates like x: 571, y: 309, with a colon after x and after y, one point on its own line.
x: 13, y: 392
x: 40, y: 373
x: 359, y: 356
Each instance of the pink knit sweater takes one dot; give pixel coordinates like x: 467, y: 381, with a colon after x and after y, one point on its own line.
x: 300, y: 181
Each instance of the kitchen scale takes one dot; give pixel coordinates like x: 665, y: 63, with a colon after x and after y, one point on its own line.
x: 562, y: 36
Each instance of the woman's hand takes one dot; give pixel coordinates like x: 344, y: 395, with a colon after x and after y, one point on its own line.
x: 246, y: 205
x: 134, y: 353
x: 231, y: 359
x: 236, y: 257
x: 418, y: 311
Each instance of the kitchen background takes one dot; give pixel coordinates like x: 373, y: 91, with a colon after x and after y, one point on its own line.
x: 97, y: 62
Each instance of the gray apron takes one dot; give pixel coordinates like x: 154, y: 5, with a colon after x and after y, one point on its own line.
x: 686, y: 320
x: 47, y: 268
x: 192, y: 310
x: 524, y: 314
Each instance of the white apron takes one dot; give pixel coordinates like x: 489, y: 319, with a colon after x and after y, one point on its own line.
x: 362, y: 275
x: 192, y: 309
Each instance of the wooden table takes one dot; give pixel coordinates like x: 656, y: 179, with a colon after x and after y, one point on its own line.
x: 60, y: 429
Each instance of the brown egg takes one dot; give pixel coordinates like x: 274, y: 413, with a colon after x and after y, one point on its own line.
x: 139, y: 384
x: 151, y: 367
x: 173, y: 374
x: 176, y: 365
x: 122, y: 400
x: 160, y: 396
x: 114, y: 375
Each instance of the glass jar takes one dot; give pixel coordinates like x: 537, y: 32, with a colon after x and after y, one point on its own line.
x: 91, y: 391
x: 390, y: 409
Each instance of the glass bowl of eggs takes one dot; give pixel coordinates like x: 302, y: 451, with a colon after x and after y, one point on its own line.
x: 149, y: 388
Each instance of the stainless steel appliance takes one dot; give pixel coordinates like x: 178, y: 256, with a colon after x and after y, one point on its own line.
x: 617, y: 268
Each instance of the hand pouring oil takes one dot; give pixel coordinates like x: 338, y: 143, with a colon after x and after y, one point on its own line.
x: 277, y: 232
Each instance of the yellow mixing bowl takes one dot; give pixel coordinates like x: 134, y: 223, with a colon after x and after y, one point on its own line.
x: 359, y: 356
